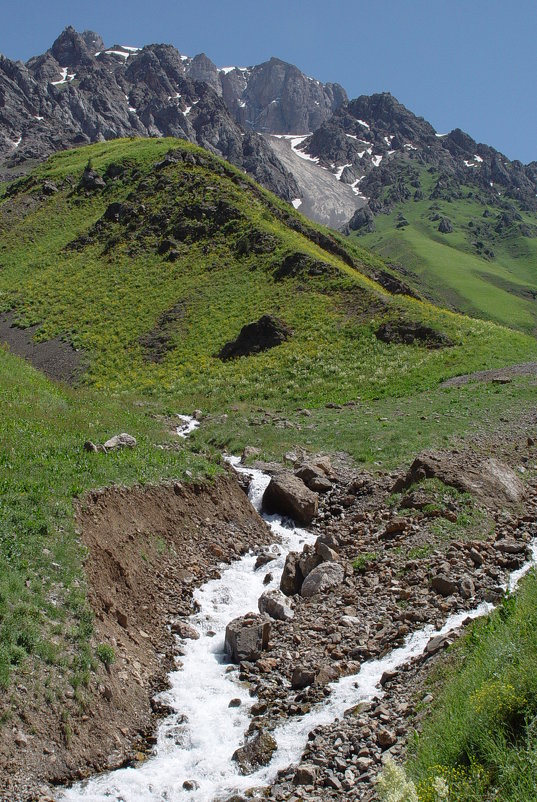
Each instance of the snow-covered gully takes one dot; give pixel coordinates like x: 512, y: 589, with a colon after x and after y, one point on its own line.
x: 192, y: 757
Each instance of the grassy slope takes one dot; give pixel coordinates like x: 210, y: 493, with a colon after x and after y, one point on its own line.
x: 481, y: 734
x: 112, y: 290
x: 42, y: 596
x: 450, y: 269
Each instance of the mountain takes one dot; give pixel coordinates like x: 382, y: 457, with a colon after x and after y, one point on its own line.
x: 456, y: 218
x: 79, y: 92
x: 174, y: 251
x: 158, y: 278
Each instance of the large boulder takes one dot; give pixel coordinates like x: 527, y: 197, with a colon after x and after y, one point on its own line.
x: 123, y: 440
x: 274, y: 604
x: 313, y: 477
x: 265, y: 333
x: 288, y: 495
x: 255, y: 753
x: 322, y: 578
x: 246, y: 637
x: 489, y: 480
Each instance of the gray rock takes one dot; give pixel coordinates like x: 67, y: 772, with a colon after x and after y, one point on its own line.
x: 488, y: 480
x: 246, y: 637
x: 288, y: 495
x: 274, y: 604
x: 322, y: 578
x: 302, y: 678
x: 184, y: 630
x: 255, y: 753
x: 309, y: 560
x: 444, y: 585
x: 305, y: 774
x: 123, y: 440
x: 467, y: 587
x: 326, y: 554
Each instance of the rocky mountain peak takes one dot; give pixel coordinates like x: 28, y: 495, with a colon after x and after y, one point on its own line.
x: 201, y: 68
x: 71, y: 48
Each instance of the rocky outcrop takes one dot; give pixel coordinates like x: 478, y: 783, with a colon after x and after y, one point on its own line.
x: 79, y: 92
x: 276, y: 97
x: 489, y: 480
x: 288, y: 495
x: 265, y: 333
x: 408, y: 333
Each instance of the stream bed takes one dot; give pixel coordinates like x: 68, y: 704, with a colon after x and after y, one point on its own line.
x: 195, y: 743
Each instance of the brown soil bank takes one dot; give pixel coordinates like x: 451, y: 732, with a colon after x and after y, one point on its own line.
x: 148, y: 549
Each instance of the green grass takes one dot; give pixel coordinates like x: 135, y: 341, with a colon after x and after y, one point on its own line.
x: 450, y: 269
x: 481, y: 734
x: 382, y: 433
x: 111, y: 290
x: 104, y: 286
x: 44, y: 616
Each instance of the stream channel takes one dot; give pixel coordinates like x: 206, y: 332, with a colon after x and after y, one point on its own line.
x: 196, y: 742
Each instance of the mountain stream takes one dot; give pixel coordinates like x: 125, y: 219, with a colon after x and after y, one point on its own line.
x: 196, y: 742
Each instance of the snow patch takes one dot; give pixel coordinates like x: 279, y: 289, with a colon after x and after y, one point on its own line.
x: 376, y: 160
x: 297, y: 202
x: 363, y: 124
x: 37, y: 117
x: 440, y: 135
x: 66, y: 77
x: 295, y: 142
x: 356, y: 187
x: 409, y: 146
x: 118, y: 53
x: 477, y: 158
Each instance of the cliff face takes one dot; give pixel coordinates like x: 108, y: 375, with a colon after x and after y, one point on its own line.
x: 80, y: 92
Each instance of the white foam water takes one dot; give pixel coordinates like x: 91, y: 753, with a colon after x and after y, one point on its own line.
x: 187, y: 426
x: 197, y: 741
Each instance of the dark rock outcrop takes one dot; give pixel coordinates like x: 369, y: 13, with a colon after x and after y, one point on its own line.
x: 410, y: 333
x: 265, y: 333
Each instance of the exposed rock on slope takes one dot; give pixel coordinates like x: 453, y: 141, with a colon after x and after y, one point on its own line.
x: 80, y: 92
x: 74, y: 94
x: 265, y: 333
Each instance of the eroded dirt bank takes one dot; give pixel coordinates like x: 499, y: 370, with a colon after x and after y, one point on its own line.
x: 148, y: 549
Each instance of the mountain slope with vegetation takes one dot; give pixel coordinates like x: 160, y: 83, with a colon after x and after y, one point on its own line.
x: 149, y: 256
x: 174, y: 282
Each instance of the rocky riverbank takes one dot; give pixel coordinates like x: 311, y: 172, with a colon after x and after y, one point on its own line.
x: 395, y: 561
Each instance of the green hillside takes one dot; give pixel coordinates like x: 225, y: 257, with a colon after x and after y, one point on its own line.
x: 486, y: 267
x: 195, y: 251
x: 149, y: 273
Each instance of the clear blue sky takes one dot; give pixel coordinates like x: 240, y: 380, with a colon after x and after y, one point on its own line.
x: 458, y: 63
